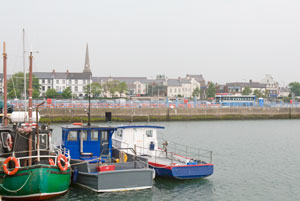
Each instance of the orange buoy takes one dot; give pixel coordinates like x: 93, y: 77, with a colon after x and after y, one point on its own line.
x: 17, y: 166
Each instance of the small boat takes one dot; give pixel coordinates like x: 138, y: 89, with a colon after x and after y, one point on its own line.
x: 100, y: 167
x: 31, y: 169
x: 168, y: 159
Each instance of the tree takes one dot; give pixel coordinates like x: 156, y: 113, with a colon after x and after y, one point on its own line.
x: 15, y: 86
x: 247, y: 91
x: 96, y: 89
x: 51, y: 93
x: 211, y: 90
x: 196, y: 92
x: 122, y: 87
x: 295, y: 88
x: 115, y: 86
x: 67, y: 93
x: 258, y: 93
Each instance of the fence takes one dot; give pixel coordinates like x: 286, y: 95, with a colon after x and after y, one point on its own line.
x: 19, y: 104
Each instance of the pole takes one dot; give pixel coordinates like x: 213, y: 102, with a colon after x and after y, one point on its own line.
x: 30, y: 110
x: 24, y: 69
x: 37, y: 130
x: 5, y: 85
x: 89, y: 111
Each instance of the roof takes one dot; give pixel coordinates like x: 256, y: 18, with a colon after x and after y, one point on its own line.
x: 174, y: 83
x: 246, y: 84
x: 198, y: 78
x: 141, y: 126
x: 62, y: 75
x: 127, y: 80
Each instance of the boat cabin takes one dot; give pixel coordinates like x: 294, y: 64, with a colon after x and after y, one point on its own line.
x: 143, y: 138
x: 88, y: 142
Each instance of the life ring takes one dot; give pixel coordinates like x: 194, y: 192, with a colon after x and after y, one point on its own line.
x: 17, y: 166
x: 9, y: 142
x: 77, y: 124
x: 65, y: 167
x: 51, y: 161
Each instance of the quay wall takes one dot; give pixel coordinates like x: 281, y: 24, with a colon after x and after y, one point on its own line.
x: 56, y: 115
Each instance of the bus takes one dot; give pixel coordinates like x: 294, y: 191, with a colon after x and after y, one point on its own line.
x: 235, y: 100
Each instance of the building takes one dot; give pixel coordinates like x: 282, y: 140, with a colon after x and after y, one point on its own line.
x: 272, y: 86
x: 238, y: 87
x: 61, y: 80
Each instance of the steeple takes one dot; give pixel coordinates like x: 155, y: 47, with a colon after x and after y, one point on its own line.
x: 87, y: 68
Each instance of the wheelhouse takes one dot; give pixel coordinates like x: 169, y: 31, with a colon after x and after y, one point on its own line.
x: 86, y: 142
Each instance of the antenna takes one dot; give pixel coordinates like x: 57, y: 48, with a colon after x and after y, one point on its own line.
x: 24, y: 69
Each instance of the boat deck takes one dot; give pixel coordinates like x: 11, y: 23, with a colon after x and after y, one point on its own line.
x: 167, y: 160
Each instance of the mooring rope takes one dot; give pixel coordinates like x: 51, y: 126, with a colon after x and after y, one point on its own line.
x: 14, y: 191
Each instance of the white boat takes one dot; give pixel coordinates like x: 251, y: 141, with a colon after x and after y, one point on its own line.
x: 168, y: 159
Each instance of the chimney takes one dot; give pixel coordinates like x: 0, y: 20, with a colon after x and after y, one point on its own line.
x: 250, y: 81
x: 53, y: 71
x: 67, y: 70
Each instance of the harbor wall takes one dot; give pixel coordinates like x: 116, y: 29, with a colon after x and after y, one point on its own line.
x: 56, y: 115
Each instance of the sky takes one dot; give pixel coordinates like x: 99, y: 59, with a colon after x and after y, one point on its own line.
x: 224, y: 40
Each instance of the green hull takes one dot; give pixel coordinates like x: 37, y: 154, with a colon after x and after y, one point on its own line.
x: 36, y: 182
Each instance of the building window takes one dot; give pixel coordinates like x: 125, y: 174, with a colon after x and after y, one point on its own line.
x: 49, y: 87
x: 43, y: 81
x: 170, y: 90
x: 63, y: 87
x: 175, y: 90
x: 64, y: 81
x: 49, y: 81
x: 76, y: 88
x: 76, y: 81
x: 57, y: 88
x: 43, y: 88
x: 57, y: 81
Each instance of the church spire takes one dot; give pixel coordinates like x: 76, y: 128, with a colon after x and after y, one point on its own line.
x: 87, y: 68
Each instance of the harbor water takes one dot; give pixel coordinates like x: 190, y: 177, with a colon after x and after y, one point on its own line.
x: 254, y: 160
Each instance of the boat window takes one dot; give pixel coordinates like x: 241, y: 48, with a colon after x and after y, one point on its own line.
x: 149, y: 133
x: 72, y: 136
x: 83, y: 135
x: 104, y: 136
x: 44, y: 141
x: 94, y: 135
x: 119, y: 133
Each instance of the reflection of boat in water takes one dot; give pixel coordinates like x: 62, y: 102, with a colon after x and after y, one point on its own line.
x: 168, y: 159
x: 31, y: 169
x: 100, y: 167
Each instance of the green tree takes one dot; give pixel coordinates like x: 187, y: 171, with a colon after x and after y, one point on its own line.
x: 196, y: 92
x: 295, y: 88
x: 247, y: 91
x: 115, y: 86
x: 67, y: 93
x: 51, y: 93
x: 15, y: 86
x: 122, y: 87
x: 96, y: 89
x: 258, y: 93
x: 211, y: 90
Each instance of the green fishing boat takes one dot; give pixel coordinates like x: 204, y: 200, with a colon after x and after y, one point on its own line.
x: 31, y: 168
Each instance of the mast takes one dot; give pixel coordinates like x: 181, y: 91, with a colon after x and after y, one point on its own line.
x: 30, y: 110
x: 24, y: 70
x: 89, y: 111
x: 5, y: 85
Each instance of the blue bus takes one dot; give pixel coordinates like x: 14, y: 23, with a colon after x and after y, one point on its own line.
x: 234, y: 100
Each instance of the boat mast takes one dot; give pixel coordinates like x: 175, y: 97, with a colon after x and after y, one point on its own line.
x: 89, y: 111
x: 5, y: 85
x: 24, y: 70
x: 30, y: 110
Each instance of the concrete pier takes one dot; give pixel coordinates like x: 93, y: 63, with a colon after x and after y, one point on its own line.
x: 168, y: 114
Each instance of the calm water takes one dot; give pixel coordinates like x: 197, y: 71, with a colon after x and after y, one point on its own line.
x: 254, y: 160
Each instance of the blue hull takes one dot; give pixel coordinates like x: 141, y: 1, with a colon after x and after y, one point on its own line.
x: 183, y: 172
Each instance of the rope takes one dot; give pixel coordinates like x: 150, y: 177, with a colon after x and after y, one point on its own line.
x: 14, y: 191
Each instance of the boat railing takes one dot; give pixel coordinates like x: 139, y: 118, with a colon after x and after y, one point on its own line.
x: 184, y: 151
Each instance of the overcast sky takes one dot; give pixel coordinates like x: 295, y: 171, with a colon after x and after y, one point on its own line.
x: 225, y: 40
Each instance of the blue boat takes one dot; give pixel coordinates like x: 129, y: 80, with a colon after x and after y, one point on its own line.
x: 167, y: 158
x: 100, y: 167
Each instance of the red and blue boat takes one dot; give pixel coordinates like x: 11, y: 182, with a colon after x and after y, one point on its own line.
x: 167, y: 158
